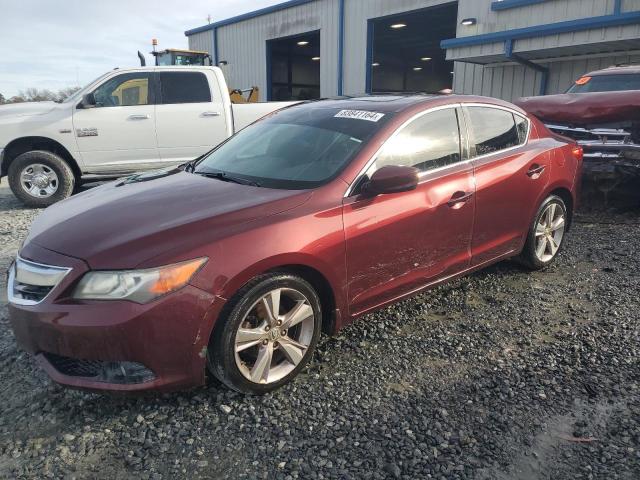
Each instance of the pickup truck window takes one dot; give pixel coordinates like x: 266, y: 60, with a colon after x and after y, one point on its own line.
x: 294, y: 149
x: 606, y: 83
x: 124, y: 90
x: 184, y: 87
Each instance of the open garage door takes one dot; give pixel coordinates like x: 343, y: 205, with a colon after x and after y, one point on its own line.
x: 293, y: 65
x: 405, y: 54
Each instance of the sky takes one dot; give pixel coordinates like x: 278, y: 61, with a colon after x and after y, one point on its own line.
x: 55, y: 44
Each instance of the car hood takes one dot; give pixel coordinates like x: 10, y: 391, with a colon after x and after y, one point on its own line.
x: 123, y: 225
x: 27, y: 109
x: 583, y: 109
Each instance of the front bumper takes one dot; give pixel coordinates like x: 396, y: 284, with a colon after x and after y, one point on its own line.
x: 165, y: 339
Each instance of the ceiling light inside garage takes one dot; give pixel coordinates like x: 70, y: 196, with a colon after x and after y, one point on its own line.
x: 397, y: 26
x: 315, y: 59
x: 375, y: 64
x: 417, y: 69
x: 425, y: 59
x: 302, y: 43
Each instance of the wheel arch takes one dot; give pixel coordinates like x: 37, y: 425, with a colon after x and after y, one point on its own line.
x: 567, y: 197
x: 320, y: 283
x: 22, y: 145
x: 326, y: 282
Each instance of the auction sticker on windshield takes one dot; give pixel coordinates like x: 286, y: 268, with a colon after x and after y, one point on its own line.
x: 360, y: 115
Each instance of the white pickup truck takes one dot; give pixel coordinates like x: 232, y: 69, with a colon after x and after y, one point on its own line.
x: 128, y: 120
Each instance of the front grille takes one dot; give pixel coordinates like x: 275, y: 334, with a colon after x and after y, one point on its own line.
x: 101, y: 371
x: 29, y: 282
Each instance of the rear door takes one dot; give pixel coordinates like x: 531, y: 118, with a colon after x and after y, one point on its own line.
x: 190, y: 116
x: 400, y: 242
x: 119, y: 133
x: 510, y: 173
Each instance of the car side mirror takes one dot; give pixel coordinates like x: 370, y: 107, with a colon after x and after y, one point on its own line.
x: 88, y: 101
x: 392, y: 179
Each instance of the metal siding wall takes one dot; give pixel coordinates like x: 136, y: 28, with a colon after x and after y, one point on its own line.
x: 202, y: 41
x: 357, y: 12
x: 511, y: 81
x: 540, y: 14
x: 243, y: 44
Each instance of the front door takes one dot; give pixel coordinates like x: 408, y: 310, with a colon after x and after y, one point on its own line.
x: 119, y: 134
x: 511, y: 174
x: 398, y: 243
x: 190, y: 116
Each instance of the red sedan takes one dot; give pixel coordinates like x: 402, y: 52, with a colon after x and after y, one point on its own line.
x: 234, y: 263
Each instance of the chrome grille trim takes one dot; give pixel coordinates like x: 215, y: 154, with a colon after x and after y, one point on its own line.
x: 25, y: 275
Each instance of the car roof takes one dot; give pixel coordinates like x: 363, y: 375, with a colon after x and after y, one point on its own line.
x: 615, y: 70
x: 400, y: 102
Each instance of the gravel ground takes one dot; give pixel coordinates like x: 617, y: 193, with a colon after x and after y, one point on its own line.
x: 502, y: 375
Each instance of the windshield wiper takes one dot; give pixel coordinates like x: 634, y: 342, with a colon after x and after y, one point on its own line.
x: 225, y: 177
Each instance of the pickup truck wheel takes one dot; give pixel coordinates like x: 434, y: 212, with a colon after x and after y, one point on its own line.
x: 546, y: 234
x: 40, y: 178
x: 267, y: 334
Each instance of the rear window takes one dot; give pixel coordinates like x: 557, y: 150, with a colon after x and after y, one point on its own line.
x: 495, y: 130
x: 184, y: 87
x: 606, y: 83
x: 296, y: 148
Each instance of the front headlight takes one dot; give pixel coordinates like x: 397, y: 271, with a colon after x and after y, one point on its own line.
x: 140, y: 286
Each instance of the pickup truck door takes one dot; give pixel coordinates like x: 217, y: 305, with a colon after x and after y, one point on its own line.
x: 119, y: 134
x: 190, y: 115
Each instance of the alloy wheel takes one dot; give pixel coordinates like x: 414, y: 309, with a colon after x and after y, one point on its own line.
x: 550, y: 232
x: 39, y: 180
x: 274, y: 336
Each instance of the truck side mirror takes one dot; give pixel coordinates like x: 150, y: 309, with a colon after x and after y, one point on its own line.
x: 88, y: 101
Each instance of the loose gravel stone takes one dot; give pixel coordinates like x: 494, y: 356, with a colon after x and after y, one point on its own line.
x: 505, y: 374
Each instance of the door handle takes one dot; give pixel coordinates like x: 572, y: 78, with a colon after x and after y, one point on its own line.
x: 535, y: 171
x: 139, y: 117
x: 458, y: 198
x: 210, y: 114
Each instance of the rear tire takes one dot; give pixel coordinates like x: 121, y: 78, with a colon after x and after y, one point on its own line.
x: 39, y: 178
x: 248, y: 335
x: 546, y: 234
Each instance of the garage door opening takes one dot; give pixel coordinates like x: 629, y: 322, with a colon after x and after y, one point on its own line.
x: 405, y: 54
x: 293, y: 65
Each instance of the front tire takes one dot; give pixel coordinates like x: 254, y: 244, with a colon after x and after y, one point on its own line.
x: 267, y: 334
x: 39, y: 178
x: 546, y: 234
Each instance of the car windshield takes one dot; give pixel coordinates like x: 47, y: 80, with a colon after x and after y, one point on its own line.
x: 606, y: 83
x: 296, y: 148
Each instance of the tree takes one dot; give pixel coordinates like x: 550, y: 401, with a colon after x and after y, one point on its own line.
x: 35, y: 95
x: 66, y: 92
x: 40, y: 95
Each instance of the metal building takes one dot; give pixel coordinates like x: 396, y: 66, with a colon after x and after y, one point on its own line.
x: 502, y: 48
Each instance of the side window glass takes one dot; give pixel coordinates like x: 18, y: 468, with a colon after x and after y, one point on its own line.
x: 124, y: 90
x: 184, y: 87
x: 493, y: 129
x: 429, y: 142
x: 522, y: 125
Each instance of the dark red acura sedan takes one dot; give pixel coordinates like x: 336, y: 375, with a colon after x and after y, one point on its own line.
x: 322, y: 212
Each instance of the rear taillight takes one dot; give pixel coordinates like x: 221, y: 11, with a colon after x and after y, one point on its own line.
x: 578, y: 152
